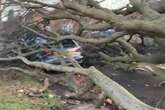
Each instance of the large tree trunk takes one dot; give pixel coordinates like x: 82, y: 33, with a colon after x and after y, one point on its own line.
x: 117, y: 93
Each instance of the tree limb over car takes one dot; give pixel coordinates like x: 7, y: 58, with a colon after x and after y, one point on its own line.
x: 84, y: 12
x: 117, y: 93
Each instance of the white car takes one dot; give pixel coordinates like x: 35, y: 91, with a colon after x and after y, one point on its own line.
x: 73, y: 49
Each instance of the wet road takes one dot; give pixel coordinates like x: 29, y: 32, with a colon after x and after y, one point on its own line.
x: 143, y: 85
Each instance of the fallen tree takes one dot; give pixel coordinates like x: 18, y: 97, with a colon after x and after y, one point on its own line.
x: 150, y: 24
x: 122, y: 98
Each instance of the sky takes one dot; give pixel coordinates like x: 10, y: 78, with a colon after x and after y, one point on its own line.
x: 111, y: 4
x: 114, y: 4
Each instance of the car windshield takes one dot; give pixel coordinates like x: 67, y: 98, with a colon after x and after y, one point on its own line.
x: 68, y: 43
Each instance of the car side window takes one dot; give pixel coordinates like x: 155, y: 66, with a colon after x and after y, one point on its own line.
x: 68, y: 43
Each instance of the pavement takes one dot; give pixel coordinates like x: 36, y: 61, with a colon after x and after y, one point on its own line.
x: 143, y: 85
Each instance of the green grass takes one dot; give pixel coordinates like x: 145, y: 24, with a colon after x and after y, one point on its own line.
x: 14, y: 101
x: 16, y: 104
x: 52, y: 101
